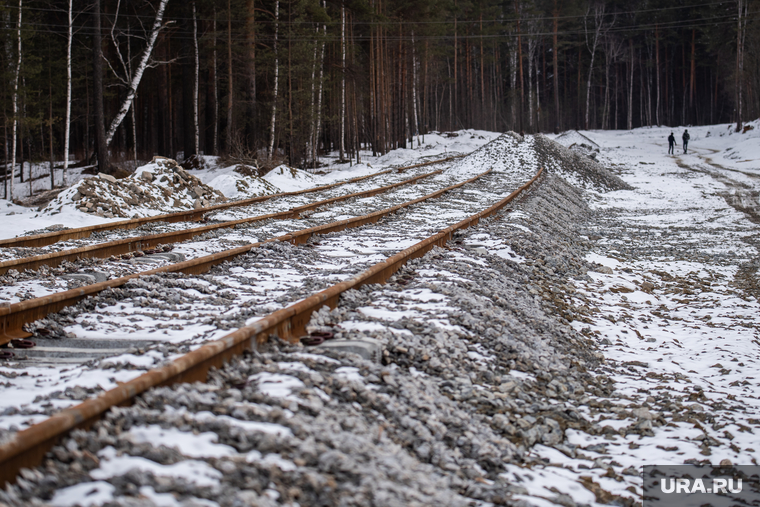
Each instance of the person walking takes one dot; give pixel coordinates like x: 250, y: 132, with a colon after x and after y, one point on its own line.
x: 685, y: 138
x: 671, y: 144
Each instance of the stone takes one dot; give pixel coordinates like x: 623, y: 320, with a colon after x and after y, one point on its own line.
x: 367, y: 348
x: 107, y: 177
x: 146, y: 176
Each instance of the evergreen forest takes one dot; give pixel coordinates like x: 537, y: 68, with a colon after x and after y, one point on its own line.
x: 284, y: 81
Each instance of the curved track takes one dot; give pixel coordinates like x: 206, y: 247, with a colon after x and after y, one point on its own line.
x: 421, y: 217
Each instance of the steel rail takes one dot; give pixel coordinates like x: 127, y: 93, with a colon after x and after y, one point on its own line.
x: 27, y: 448
x: 13, y: 317
x: 48, y: 238
x: 138, y: 243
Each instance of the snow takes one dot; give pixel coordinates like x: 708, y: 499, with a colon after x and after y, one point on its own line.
x: 113, y: 465
x: 200, y: 445
x: 235, y: 186
x: 703, y: 347
x: 288, y: 177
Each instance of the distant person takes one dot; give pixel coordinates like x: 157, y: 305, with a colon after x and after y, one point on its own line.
x: 671, y: 144
x: 685, y: 138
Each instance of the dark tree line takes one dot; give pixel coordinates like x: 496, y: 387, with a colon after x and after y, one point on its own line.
x: 286, y: 80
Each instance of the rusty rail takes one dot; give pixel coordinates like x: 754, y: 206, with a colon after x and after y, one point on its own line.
x: 126, y: 245
x: 48, y: 238
x: 28, y: 447
x: 13, y: 317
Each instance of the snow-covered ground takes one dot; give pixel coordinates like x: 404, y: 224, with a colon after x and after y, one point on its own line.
x: 672, y: 304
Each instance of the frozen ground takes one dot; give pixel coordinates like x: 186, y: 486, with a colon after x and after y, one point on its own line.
x: 649, y: 357
x: 224, y: 178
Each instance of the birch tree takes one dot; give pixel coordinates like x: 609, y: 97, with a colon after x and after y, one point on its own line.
x: 613, y: 51
x: 316, y: 96
x: 276, y: 78
x: 67, y: 126
x: 318, y: 122
x: 132, y: 81
x: 15, y: 99
x: 599, y: 29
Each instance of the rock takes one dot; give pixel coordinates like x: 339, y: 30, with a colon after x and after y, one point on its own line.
x: 146, y: 176
x: 507, y: 386
x: 107, y: 177
x: 642, y: 413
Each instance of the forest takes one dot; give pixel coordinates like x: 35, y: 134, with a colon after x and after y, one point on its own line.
x: 283, y: 81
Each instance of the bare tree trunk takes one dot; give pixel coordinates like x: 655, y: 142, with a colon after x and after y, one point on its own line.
x: 230, y: 87
x: 134, y: 81
x: 598, y: 28
x: 97, y: 80
x: 132, y: 110
x: 455, y: 98
x: 606, y: 107
x: 538, y: 98
x: 657, y: 72
x: 15, y: 102
x: 630, y: 88
x: 414, y: 92
x: 196, y: 126
x: 312, y: 102
x: 276, y: 78
x: 531, y: 55
x: 739, y: 62
x: 556, y: 70
x: 215, y: 85
x: 513, y: 83
x: 67, y: 127
x: 251, y: 40
x: 692, y: 74
x: 482, y: 80
x: 520, y: 62
x: 343, y: 82
x: 50, y: 128
x: 319, y: 94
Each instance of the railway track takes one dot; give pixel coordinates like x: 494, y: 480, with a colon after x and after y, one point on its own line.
x: 195, y: 215
x: 17, y: 288
x: 353, y: 256
x: 13, y: 317
x: 147, y: 242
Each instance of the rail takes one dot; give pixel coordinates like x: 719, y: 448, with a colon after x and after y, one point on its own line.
x: 133, y: 244
x: 48, y: 238
x: 13, y: 317
x: 27, y: 448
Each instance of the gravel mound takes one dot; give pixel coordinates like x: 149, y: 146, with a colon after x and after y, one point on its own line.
x: 577, y: 167
x: 243, y: 183
x: 161, y: 186
x: 289, y: 178
x: 480, y: 368
x: 511, y: 152
x: 573, y: 138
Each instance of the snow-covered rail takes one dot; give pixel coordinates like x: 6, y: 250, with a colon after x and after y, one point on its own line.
x: 152, y: 241
x: 48, y: 238
x: 28, y: 447
x: 13, y: 317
